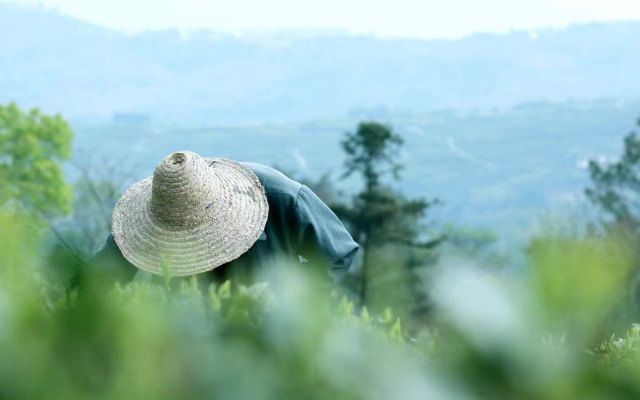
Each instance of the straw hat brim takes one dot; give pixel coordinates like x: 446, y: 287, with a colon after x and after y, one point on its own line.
x: 233, y: 223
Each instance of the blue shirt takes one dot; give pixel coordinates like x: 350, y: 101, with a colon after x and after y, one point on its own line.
x: 300, y: 229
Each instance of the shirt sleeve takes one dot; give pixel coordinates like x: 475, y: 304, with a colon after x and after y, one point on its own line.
x: 322, y: 237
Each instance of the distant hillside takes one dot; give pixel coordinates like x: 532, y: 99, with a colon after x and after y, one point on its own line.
x: 496, y: 169
x: 85, y: 71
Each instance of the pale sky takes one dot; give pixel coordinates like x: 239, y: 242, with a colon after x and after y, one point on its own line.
x: 388, y: 18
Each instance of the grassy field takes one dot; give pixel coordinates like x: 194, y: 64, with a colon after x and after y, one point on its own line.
x: 562, y: 330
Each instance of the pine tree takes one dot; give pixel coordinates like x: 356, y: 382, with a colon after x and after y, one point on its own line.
x: 379, y: 214
x: 616, y: 186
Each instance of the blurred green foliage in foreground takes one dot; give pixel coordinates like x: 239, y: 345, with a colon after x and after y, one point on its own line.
x: 544, y: 335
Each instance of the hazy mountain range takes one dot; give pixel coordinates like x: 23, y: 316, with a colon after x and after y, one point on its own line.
x: 85, y: 71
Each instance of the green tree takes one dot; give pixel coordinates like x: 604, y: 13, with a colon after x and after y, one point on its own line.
x: 379, y: 215
x: 615, y: 190
x: 616, y: 185
x: 32, y: 147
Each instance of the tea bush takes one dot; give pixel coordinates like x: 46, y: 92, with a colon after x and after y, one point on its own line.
x: 537, y: 335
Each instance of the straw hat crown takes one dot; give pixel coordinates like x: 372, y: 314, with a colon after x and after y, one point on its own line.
x: 182, y: 189
x: 191, y: 216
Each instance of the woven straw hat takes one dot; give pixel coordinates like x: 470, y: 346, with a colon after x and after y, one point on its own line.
x: 191, y: 216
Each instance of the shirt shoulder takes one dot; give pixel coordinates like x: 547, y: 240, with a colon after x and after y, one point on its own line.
x: 274, y: 181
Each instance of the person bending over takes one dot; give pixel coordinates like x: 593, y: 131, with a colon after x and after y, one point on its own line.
x: 220, y: 219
